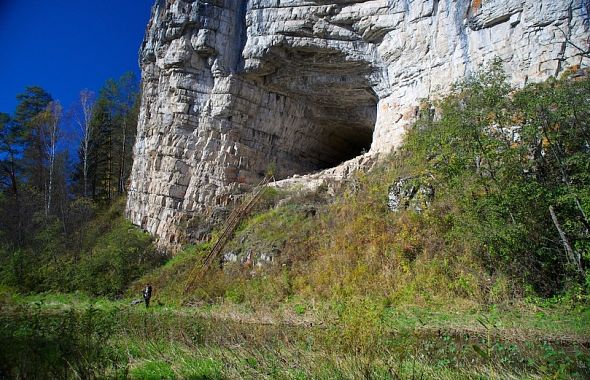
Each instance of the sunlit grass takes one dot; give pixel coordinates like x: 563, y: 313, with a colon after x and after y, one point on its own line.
x: 360, y: 340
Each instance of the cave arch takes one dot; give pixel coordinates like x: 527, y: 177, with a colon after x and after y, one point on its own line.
x: 338, y: 102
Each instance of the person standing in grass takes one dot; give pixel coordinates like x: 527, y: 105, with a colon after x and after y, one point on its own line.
x: 147, y: 295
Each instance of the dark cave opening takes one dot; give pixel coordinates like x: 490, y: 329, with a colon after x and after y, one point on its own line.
x: 340, y: 106
x: 334, y: 93
x: 342, y: 133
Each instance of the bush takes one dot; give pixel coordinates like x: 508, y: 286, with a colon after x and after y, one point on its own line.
x: 119, y: 257
x: 34, y: 344
x: 106, y: 253
x: 506, y: 157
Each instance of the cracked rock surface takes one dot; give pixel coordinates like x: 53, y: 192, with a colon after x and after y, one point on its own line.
x: 233, y: 89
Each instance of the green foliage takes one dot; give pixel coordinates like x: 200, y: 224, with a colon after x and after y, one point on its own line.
x: 109, y: 254
x: 235, y: 295
x: 170, y: 279
x: 118, y: 258
x: 34, y: 344
x: 111, y: 137
x: 359, y: 326
x: 202, y: 369
x: 49, y: 239
x: 369, y: 339
x: 299, y: 309
x: 31, y: 103
x: 188, y: 340
x: 505, y: 157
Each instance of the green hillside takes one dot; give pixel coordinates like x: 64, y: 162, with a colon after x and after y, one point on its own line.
x: 478, y: 175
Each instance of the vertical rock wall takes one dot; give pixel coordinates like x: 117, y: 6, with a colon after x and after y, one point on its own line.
x: 233, y: 88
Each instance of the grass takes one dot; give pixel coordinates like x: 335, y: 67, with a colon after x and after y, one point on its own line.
x: 290, y: 362
x: 364, y: 341
x: 352, y: 249
x: 522, y: 317
x: 330, y: 311
x: 549, y: 319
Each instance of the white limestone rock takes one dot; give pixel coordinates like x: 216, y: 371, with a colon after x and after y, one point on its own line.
x: 232, y: 88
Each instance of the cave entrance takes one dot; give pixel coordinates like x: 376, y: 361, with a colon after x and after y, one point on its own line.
x: 342, y: 132
x: 340, y: 105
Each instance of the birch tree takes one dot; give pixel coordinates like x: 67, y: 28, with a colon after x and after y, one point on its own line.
x: 83, y: 118
x: 54, y: 113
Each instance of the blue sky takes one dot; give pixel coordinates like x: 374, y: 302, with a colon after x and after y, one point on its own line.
x: 65, y: 46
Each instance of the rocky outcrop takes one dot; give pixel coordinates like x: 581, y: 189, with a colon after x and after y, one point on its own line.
x: 235, y: 88
x: 413, y: 193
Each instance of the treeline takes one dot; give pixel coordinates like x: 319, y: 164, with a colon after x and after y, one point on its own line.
x: 48, y: 198
x: 107, y: 128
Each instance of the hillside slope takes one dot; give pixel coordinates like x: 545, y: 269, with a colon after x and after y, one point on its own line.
x: 486, y: 203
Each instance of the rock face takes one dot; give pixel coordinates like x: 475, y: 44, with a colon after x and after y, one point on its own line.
x: 414, y: 193
x: 233, y: 88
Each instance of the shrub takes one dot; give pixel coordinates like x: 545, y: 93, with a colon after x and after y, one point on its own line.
x: 105, y: 254
x: 35, y: 344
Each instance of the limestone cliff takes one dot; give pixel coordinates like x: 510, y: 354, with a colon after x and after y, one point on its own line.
x: 234, y: 87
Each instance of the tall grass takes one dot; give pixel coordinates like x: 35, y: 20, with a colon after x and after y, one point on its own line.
x: 119, y: 341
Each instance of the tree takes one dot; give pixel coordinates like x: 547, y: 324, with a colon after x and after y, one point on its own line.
x: 107, y: 152
x: 100, y: 154
x: 83, y: 116
x: 53, y: 115
x: 516, y: 162
x: 45, y: 233
x: 28, y: 126
x: 8, y: 153
x: 10, y: 208
x: 22, y: 137
x: 122, y: 95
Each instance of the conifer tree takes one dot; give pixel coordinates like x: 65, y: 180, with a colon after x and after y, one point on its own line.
x: 29, y: 128
x: 111, y: 134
